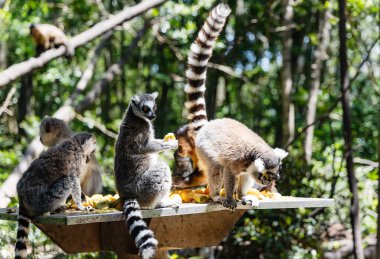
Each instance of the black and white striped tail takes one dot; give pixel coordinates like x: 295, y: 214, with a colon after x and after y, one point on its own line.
x: 22, y: 237
x: 144, y: 237
x: 200, y: 53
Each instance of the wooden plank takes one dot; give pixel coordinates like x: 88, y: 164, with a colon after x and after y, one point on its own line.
x: 78, y: 218
x: 194, y: 230
x: 115, y: 237
x: 75, y: 238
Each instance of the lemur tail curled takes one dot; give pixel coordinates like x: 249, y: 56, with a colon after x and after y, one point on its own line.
x: 143, y: 237
x: 22, y: 237
x: 200, y: 53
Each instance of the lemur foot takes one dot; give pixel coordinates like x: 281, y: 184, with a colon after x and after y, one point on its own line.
x: 173, y: 143
x: 85, y: 208
x: 250, y: 200
x: 229, y: 204
x: 169, y: 203
x: 60, y: 209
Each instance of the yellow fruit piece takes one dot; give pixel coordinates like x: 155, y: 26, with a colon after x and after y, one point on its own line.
x: 201, y: 198
x: 201, y: 191
x: 176, y: 197
x: 256, y: 193
x: 187, y: 196
x: 169, y: 136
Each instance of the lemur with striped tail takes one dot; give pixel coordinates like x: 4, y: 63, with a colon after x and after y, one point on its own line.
x: 142, y: 180
x: 200, y: 53
x: 48, y: 182
x: 224, y: 148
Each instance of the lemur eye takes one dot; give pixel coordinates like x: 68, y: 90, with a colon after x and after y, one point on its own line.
x: 145, y: 108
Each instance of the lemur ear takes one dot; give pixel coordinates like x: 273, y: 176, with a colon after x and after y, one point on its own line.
x: 135, y: 99
x: 154, y: 95
x: 47, y: 127
x: 280, y: 153
x: 259, y: 164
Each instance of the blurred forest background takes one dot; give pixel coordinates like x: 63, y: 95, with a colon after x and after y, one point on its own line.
x: 275, y: 68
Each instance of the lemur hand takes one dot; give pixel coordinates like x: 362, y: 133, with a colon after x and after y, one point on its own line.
x: 173, y: 144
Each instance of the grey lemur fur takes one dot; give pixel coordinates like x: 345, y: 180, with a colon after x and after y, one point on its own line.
x: 142, y: 180
x: 224, y: 148
x: 230, y: 149
x: 54, y: 131
x: 50, y: 179
x: 200, y: 53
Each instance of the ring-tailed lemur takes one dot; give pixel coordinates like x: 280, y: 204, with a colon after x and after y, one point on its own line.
x: 192, y: 142
x: 54, y: 131
x: 50, y: 179
x: 142, y: 180
x: 230, y: 149
x: 200, y: 53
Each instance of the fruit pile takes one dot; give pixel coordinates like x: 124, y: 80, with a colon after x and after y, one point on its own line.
x: 111, y: 203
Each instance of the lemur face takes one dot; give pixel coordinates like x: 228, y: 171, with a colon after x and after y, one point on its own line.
x: 86, y: 141
x: 270, y: 175
x: 90, y: 145
x: 50, y: 130
x: 182, y: 165
x: 264, y: 175
x: 144, y: 106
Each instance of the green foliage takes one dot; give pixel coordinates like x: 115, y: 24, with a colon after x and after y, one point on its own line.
x: 251, y: 46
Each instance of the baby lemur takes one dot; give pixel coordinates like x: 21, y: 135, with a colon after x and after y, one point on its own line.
x: 200, y: 53
x: 142, y: 180
x: 50, y: 179
x: 54, y: 131
x: 48, y: 36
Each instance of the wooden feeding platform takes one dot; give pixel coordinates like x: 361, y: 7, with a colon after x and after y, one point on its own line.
x: 188, y: 226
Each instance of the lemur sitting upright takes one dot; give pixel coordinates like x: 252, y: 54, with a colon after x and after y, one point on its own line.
x: 142, y: 180
x: 49, y: 180
x: 52, y: 132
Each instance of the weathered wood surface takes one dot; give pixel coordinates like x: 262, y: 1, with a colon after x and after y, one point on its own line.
x: 76, y: 218
x: 189, y: 226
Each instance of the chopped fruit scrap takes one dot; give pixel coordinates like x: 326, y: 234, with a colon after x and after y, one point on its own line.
x: 169, y: 137
x: 99, y: 202
x: 113, y: 202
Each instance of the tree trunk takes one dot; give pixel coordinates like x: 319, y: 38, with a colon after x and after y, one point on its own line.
x: 26, y: 93
x: 355, y: 209
x: 286, y: 74
x: 316, y: 69
x: 3, y: 55
x: 378, y: 190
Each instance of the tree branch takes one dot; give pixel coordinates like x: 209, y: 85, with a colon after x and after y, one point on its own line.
x: 66, y: 113
x: 97, y: 125
x: 89, y: 71
x: 17, y: 70
x: 110, y: 74
x: 4, y: 107
x: 335, y: 104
